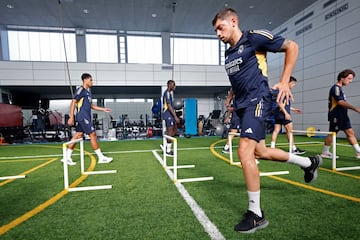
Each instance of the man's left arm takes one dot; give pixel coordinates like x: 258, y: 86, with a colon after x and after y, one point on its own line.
x: 291, y: 50
x: 97, y: 108
x: 347, y: 105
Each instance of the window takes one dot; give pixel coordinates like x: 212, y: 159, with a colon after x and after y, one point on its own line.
x: 195, y: 51
x: 142, y: 49
x: 101, y: 48
x: 41, y: 46
x: 223, y: 48
x: 127, y: 100
x: 122, y: 50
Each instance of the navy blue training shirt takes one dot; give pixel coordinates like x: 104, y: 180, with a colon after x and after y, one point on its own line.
x: 246, y: 66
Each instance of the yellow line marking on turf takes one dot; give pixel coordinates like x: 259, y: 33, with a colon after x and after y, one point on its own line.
x: 5, y: 228
x: 29, y: 171
x: 331, y: 193
x: 347, y: 197
x: 340, y: 173
x: 24, y: 160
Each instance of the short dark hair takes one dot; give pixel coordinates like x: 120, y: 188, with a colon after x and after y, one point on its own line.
x: 345, y: 73
x: 223, y: 14
x: 170, y: 81
x: 292, y: 79
x: 85, y: 76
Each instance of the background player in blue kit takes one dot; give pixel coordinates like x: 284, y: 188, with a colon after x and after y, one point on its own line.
x: 232, y: 118
x: 245, y: 64
x: 338, y: 113
x: 282, y: 114
x: 169, y: 115
x: 84, y: 124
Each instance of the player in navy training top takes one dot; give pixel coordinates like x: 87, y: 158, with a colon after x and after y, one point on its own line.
x: 232, y: 118
x: 245, y: 64
x: 282, y: 115
x: 169, y: 115
x: 338, y: 113
x: 84, y: 124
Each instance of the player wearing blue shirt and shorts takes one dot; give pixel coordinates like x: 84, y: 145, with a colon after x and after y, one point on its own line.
x: 169, y: 115
x: 283, y: 118
x: 338, y: 113
x: 231, y: 117
x: 245, y: 64
x: 84, y: 124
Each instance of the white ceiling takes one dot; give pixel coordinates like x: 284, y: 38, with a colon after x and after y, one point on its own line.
x: 189, y: 16
x: 179, y: 16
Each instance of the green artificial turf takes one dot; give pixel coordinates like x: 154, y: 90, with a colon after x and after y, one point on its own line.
x: 144, y: 203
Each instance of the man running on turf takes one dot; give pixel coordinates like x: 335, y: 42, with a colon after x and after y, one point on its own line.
x: 245, y: 64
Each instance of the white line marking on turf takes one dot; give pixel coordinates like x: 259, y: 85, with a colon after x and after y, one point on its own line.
x: 297, y: 143
x: 199, y: 213
x: 116, y: 152
x: 343, y: 145
x: 33, y: 156
x: 129, y: 151
x: 209, y: 227
x: 141, y: 151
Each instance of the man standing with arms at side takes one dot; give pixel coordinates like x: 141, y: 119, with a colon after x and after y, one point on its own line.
x: 245, y: 64
x: 82, y: 103
x: 338, y: 113
x: 169, y: 116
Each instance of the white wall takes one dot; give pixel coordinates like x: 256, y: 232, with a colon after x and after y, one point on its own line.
x: 326, y: 49
x: 55, y: 74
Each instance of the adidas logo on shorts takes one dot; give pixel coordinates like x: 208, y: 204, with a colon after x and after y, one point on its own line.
x: 249, y: 130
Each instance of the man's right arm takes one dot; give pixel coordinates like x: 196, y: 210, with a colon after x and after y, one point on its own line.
x: 171, y: 109
x: 229, y: 98
x: 71, y: 114
x: 291, y: 50
x: 283, y: 110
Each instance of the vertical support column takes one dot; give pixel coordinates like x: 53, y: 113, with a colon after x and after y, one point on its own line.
x: 4, y: 44
x: 66, y: 173
x: 174, y: 140
x: 166, y: 46
x: 291, y: 139
x: 164, y: 143
x: 231, y: 150
x: 334, y: 151
x: 80, y: 45
x: 82, y: 157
